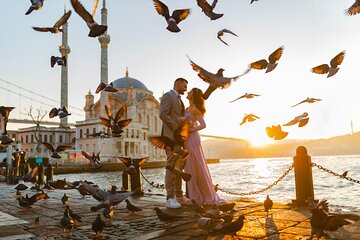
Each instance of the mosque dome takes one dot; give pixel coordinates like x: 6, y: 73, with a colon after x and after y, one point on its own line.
x: 126, y: 82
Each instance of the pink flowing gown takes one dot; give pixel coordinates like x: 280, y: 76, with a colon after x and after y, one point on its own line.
x: 200, y: 187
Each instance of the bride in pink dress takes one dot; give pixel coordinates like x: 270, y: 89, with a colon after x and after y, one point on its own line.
x: 200, y: 187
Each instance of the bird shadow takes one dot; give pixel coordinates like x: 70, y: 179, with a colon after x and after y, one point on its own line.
x: 271, y: 228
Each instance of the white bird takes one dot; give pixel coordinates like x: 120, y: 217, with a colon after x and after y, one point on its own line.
x: 302, y: 119
x: 309, y: 100
x: 221, y: 33
x: 246, y: 95
x: 333, y: 68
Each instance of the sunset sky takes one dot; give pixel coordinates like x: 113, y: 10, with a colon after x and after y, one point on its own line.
x: 312, y: 32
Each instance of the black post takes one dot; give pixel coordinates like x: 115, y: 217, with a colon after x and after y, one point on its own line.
x: 136, y: 182
x: 303, y: 176
x: 40, y: 179
x: 49, y: 173
x: 125, y: 180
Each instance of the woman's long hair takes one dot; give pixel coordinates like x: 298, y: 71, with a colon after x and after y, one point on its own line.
x: 198, y: 100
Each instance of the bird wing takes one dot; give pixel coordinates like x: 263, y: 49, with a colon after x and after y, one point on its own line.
x: 238, y: 98
x: 183, y: 132
x: 276, y: 55
x: 108, y: 112
x: 280, y: 135
x: 42, y: 29
x: 303, y: 122
x: 292, y: 122
x: 162, y: 9
x: 213, y: 5
x: 337, y: 60
x: 120, y: 113
x: 244, y: 120
x: 100, y: 87
x: 270, y: 132
x: 299, y: 103
x: 203, y: 74
x: 205, y: 6
x: 63, y: 19
x: 259, y: 65
x: 124, y: 123
x: 119, y: 197
x: 48, y: 146
x: 96, y: 2
x: 52, y: 62
x: 354, y: 9
x: 79, y: 9
x: 321, y: 69
x: 228, y: 31
x: 65, y: 109
x: 105, y: 122
x: 53, y: 113
x: 180, y: 14
x: 86, y: 155
x: 222, y: 40
x: 62, y: 148
x: 162, y: 142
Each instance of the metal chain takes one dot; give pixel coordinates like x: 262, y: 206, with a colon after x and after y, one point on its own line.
x: 158, y: 186
x: 336, y: 174
x: 258, y: 191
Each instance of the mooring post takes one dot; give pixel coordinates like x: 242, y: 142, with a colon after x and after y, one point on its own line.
x: 9, y: 173
x: 303, y: 176
x: 125, y: 180
x: 49, y: 173
x: 40, y: 177
x: 136, y: 183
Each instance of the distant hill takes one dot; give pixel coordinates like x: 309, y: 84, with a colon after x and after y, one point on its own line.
x: 339, y: 145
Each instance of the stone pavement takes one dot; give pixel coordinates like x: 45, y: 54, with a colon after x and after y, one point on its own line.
x: 284, y: 222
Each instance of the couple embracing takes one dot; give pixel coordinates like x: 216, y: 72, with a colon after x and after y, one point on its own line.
x: 196, y: 173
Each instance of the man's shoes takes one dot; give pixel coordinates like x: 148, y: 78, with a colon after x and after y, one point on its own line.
x: 184, y: 200
x: 172, y: 203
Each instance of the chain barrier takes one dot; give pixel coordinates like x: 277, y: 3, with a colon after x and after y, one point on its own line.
x: 258, y: 191
x: 343, y: 176
x: 158, y: 186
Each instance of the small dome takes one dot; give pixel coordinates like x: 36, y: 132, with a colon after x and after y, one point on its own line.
x: 126, y: 82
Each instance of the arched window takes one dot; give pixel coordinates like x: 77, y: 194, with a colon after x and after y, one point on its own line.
x: 139, y: 118
x: 155, y: 124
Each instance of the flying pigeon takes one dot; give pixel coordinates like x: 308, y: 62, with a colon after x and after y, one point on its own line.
x: 115, y: 123
x: 250, y: 118
x: 4, y: 117
x: 308, y: 100
x: 61, y: 112
x: 100, y: 134
x: 276, y: 132
x: 105, y: 87
x: 55, y: 152
x: 263, y: 64
x: 35, y: 5
x: 354, y: 9
x: 173, y: 20
x: 246, y: 95
x: 98, y: 225
x: 208, y: 10
x: 268, y: 203
x: 57, y: 25
x: 61, y: 61
x: 216, y: 80
x: 333, y: 68
x: 221, y: 33
x: 94, y: 159
x: 95, y: 29
x: 302, y: 119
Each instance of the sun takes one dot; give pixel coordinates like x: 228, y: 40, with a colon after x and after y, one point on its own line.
x: 259, y: 140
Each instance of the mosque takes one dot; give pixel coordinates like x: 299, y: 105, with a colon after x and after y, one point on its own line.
x: 142, y: 108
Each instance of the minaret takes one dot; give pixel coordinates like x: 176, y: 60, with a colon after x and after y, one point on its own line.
x: 104, y: 40
x: 64, y: 49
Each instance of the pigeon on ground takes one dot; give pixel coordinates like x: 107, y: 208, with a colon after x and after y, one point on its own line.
x: 64, y: 199
x: 108, y: 213
x: 29, y: 177
x: 250, y: 118
x: 163, y: 216
x: 302, y: 119
x: 208, y: 10
x: 216, y: 80
x: 333, y: 68
x: 67, y: 223
x: 105, y: 87
x: 131, y: 207
x: 321, y: 220
x: 246, y: 95
x: 353, y: 9
x: 221, y: 33
x: 115, y: 123
x: 276, y: 132
x: 173, y: 20
x: 61, y: 61
x: 4, y: 117
x: 35, y: 5
x: 233, y: 227
x: 55, y: 152
x: 94, y: 160
x: 98, y: 225
x: 197, y: 207
x: 263, y: 64
x: 21, y: 187
x: 28, y: 201
x: 205, y: 223
x: 308, y: 100
x: 268, y: 203
x: 57, y: 25
x: 344, y: 174
x: 100, y: 134
x: 95, y: 29
x: 61, y: 112
x: 73, y: 215
x: 225, y: 207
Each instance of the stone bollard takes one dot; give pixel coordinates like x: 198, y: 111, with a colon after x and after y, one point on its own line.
x: 125, y: 181
x: 303, y: 176
x: 40, y: 176
x: 136, y: 183
x: 49, y: 173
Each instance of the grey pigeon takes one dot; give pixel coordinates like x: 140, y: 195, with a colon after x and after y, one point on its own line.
x: 208, y: 10
x: 105, y: 87
x: 221, y: 33
x: 67, y: 223
x: 57, y: 25
x: 95, y: 29
x: 73, y: 215
x: 55, y: 152
x: 131, y: 207
x: 61, y: 112
x: 173, y: 20
x: 233, y: 227
x: 115, y: 122
x: 94, y: 160
x: 35, y: 5
x: 61, y: 61
x: 163, y: 216
x: 98, y: 225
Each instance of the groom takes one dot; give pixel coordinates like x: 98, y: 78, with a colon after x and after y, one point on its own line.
x: 172, y: 111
